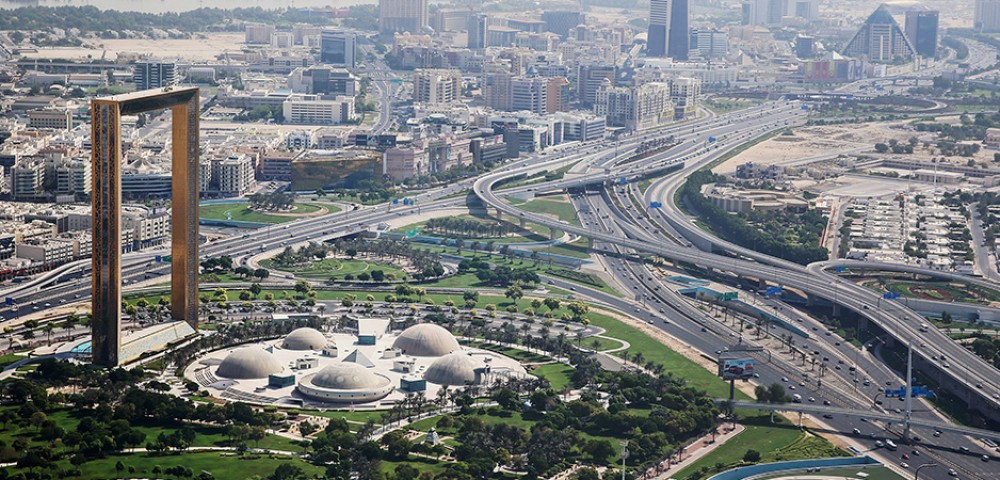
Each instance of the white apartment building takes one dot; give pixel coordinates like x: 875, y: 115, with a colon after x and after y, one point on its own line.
x: 436, y: 85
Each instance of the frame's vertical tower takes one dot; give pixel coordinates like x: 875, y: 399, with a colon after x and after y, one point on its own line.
x: 106, y: 191
x: 107, y: 249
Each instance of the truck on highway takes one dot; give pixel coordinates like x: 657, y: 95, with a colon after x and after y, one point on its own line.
x: 923, y: 327
x: 796, y: 398
x: 889, y: 444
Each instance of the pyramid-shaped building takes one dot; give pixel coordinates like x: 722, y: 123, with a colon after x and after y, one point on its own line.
x: 880, y: 39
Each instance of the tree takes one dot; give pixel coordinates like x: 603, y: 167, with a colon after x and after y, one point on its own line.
x: 255, y: 288
x: 287, y: 471
x: 514, y: 293
x: 752, y: 456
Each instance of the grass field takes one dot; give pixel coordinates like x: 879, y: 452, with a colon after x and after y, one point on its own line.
x: 335, y: 268
x: 241, y: 212
x: 775, y: 443
x: 558, y: 374
x: 554, y: 206
x: 222, y: 466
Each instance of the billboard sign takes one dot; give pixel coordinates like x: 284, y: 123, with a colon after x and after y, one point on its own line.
x: 731, y: 368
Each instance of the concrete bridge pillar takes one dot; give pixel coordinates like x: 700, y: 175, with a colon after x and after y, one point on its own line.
x: 499, y: 215
x: 523, y: 223
x: 554, y: 233
x: 836, y: 309
x: 810, y: 300
x: 862, y: 324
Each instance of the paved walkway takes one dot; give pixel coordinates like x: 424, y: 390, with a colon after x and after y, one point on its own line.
x: 695, y: 451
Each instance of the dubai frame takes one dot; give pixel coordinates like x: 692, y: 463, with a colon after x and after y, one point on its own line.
x: 106, y: 148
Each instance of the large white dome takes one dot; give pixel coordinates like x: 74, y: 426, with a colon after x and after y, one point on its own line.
x: 248, y: 363
x: 453, y: 369
x: 304, y: 339
x: 347, y: 376
x: 426, y: 340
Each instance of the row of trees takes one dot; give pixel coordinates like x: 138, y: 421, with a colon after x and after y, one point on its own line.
x: 426, y: 264
x: 272, y: 201
x: 469, y: 228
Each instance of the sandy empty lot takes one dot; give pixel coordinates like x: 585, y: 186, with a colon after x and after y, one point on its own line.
x: 204, y: 48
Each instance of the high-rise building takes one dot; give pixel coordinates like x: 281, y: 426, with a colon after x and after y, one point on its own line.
x: 589, y: 80
x: 668, y: 29
x: 880, y: 39
x: 766, y: 12
x: 402, y: 16
x: 478, y: 26
x: 987, y: 18
x: 557, y: 96
x: 147, y: 75
x: 922, y: 30
x: 805, y: 46
x: 677, y: 45
x: 338, y: 49
x: 560, y: 22
x: 529, y: 93
x: 805, y: 9
x: 436, y: 85
x: 709, y: 43
x: 684, y: 93
x: 659, y: 26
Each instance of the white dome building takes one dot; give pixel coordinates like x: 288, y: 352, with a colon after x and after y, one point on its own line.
x: 304, y: 339
x: 426, y: 340
x: 345, y: 383
x: 248, y: 363
x: 453, y: 369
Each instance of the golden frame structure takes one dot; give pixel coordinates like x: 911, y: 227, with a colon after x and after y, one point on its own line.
x: 106, y: 155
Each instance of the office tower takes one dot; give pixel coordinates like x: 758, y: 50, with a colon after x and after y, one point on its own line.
x: 805, y: 9
x: 147, y: 75
x: 258, y: 33
x: 338, y: 49
x: 659, y: 26
x: 709, y: 43
x: 478, y: 26
x: 402, y: 16
x: 668, y: 29
x: 677, y: 45
x: 766, y: 12
x: 560, y: 22
x: 880, y: 39
x: 922, y: 30
x: 436, y: 85
x: 987, y: 18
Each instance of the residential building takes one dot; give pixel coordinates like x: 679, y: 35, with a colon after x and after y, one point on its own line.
x: 435, y: 86
x: 232, y: 176
x: 922, y: 30
x: 338, y: 49
x: 557, y: 95
x: 28, y: 179
x: 684, y: 92
x: 258, y: 33
x: 147, y: 75
x: 638, y: 107
x: 398, y: 16
x: 73, y: 177
x: 276, y: 165
x: 880, y: 39
x: 55, y: 118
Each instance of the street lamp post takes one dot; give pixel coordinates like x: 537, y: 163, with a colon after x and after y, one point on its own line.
x: 624, y: 444
x: 917, y: 471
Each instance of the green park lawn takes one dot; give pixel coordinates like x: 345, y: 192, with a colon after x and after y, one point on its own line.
x: 241, y: 212
x: 222, y: 465
x: 554, y: 206
x: 558, y: 374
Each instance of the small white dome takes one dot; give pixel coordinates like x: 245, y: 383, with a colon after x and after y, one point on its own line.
x: 347, y: 376
x: 248, y: 363
x: 304, y: 339
x: 426, y: 340
x: 453, y: 369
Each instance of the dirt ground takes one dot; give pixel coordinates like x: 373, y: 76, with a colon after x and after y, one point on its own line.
x: 204, y: 48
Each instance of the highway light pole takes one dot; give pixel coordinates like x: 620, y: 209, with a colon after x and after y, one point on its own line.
x: 908, y: 392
